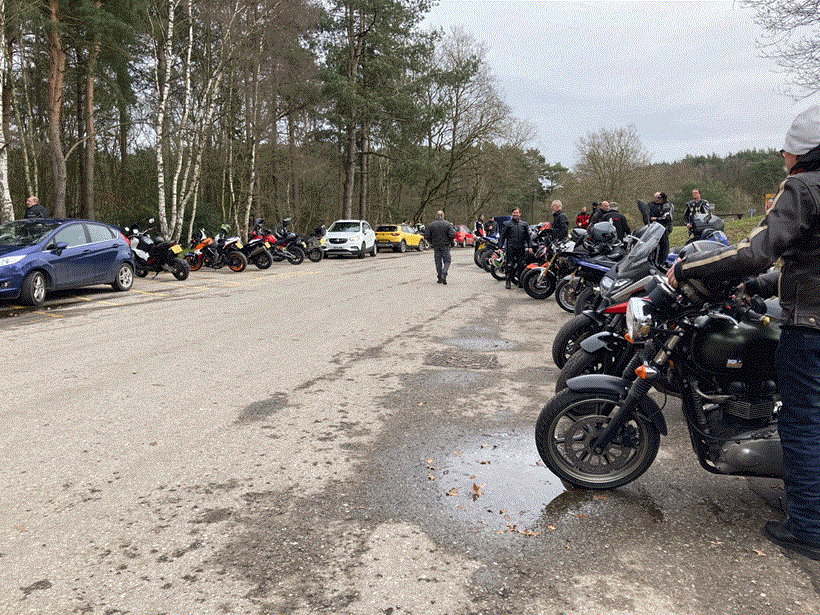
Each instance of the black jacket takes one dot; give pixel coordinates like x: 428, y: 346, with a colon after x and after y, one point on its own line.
x: 695, y: 207
x: 560, y: 225
x: 791, y: 231
x: 440, y: 234
x: 618, y: 219
x: 36, y: 211
x: 517, y: 235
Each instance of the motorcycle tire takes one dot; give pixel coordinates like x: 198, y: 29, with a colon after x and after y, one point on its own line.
x: 584, y: 301
x: 297, y: 256
x: 140, y: 271
x: 570, y: 335
x: 314, y: 254
x: 485, y: 260
x: 540, y: 290
x: 498, y: 274
x: 262, y: 259
x: 194, y: 261
x: 566, y: 292
x: 571, y: 420
x: 181, y: 269
x: 599, y: 362
x: 476, y: 256
x: 236, y: 261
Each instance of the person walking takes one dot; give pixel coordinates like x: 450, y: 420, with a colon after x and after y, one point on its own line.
x: 517, y: 235
x: 34, y: 209
x: 440, y: 235
x: 560, y: 223
x: 791, y: 232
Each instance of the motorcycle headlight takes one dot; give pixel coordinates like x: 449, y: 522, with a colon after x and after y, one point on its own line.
x: 606, y: 283
x: 638, y: 318
x: 10, y: 260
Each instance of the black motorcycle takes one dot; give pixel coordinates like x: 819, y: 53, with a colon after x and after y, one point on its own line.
x: 604, y: 431
x: 155, y: 254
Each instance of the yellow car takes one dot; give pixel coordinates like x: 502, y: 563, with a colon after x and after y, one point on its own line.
x: 398, y: 237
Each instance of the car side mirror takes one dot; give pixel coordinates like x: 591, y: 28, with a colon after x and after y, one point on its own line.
x: 58, y: 247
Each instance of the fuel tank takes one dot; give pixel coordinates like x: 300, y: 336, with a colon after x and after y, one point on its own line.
x: 742, y: 352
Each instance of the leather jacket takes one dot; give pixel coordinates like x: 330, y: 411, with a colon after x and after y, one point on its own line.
x: 440, y: 233
x: 517, y: 235
x: 791, y: 231
x: 695, y: 207
x: 559, y: 226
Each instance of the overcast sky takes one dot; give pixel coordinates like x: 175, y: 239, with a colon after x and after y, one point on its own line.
x: 686, y: 74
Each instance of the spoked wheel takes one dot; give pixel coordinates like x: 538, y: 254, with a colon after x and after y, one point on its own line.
x: 566, y: 292
x: 570, y: 335
x: 33, y: 291
x: 237, y: 261
x: 540, y: 289
x: 567, y: 428
x: 124, y: 279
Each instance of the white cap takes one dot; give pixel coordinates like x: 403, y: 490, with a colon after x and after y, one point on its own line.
x: 804, y: 134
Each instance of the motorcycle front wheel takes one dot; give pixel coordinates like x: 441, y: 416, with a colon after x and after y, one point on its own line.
x: 570, y: 335
x: 566, y: 292
x: 237, y: 261
x: 297, y: 256
x: 314, y: 254
x: 585, y: 300
x: 567, y: 427
x: 542, y: 289
x: 262, y: 259
x: 194, y: 260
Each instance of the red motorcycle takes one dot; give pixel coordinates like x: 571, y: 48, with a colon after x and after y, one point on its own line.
x: 283, y: 243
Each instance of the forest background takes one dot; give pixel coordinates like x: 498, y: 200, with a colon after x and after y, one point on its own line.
x: 199, y: 113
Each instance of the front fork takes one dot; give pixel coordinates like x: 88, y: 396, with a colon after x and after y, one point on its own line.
x: 640, y: 387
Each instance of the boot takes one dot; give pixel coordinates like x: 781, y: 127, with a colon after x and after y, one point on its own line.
x: 444, y: 280
x: 509, y: 284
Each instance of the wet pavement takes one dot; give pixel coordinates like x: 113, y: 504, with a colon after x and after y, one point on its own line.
x: 378, y: 461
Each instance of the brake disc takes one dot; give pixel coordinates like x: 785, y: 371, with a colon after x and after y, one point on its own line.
x: 578, y: 441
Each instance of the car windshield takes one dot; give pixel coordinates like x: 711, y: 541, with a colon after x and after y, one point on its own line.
x: 344, y: 226
x: 385, y: 229
x: 25, y: 232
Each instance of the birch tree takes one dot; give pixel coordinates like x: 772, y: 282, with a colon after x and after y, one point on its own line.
x: 6, y: 209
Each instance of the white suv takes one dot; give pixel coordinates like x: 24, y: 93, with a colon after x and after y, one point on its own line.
x: 350, y: 237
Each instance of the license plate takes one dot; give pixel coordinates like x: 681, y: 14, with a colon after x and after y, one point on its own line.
x: 239, y: 244
x: 267, y: 244
x: 176, y: 249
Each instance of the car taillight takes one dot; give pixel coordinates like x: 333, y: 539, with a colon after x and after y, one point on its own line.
x: 125, y: 239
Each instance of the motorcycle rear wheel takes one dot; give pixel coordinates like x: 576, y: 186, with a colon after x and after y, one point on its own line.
x: 314, y: 254
x: 262, y: 260
x: 181, y: 269
x: 140, y: 271
x: 565, y: 430
x: 498, y: 274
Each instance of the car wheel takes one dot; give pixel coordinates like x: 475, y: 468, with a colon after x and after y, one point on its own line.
x: 373, y: 251
x: 463, y: 244
x: 362, y: 251
x: 33, y: 291
x: 403, y: 246
x: 124, y: 278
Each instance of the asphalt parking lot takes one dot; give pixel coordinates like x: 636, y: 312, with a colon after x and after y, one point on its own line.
x: 345, y: 436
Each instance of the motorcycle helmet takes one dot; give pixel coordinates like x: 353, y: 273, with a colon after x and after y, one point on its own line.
x: 577, y: 234
x: 225, y: 229
x: 603, y: 232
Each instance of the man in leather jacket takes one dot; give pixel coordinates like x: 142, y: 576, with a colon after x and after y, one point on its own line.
x: 560, y: 223
x: 517, y: 235
x: 440, y: 234
x: 696, y: 206
x: 791, y: 231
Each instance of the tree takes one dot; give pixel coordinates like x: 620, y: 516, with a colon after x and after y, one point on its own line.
x: 610, y: 165
x: 792, y: 40
x: 6, y: 209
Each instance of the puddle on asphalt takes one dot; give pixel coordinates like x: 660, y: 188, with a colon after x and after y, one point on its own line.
x: 482, y: 343
x: 462, y: 378
x: 496, y: 479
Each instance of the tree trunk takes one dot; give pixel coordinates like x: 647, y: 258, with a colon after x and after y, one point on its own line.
x: 91, y: 141
x: 55, y: 101
x: 350, y: 172
x: 6, y: 208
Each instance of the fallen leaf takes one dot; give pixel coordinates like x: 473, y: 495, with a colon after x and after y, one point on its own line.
x: 421, y: 403
x: 581, y: 516
x: 483, y: 446
x: 539, y: 463
x: 760, y: 553
x: 550, y: 527
x: 452, y: 491
x: 484, y: 463
x: 429, y: 461
x: 431, y: 477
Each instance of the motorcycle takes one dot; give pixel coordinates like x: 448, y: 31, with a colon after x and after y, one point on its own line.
x: 257, y: 251
x: 312, y: 246
x: 284, y: 244
x: 604, y: 431
x: 155, y: 254
x: 225, y: 251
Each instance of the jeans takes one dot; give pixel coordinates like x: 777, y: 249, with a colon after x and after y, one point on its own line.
x: 797, y: 360
x: 441, y: 256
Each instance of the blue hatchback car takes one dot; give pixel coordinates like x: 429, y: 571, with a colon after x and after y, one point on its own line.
x: 39, y: 255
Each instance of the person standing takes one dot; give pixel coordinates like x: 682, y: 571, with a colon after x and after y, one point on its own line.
x: 791, y: 232
x: 440, y: 235
x: 34, y: 209
x: 696, y: 206
x: 598, y: 210
x: 582, y: 219
x: 479, y: 227
x: 560, y: 223
x: 517, y: 235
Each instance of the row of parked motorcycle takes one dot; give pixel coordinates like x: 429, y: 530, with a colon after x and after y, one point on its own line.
x: 706, y: 344
x: 263, y: 247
